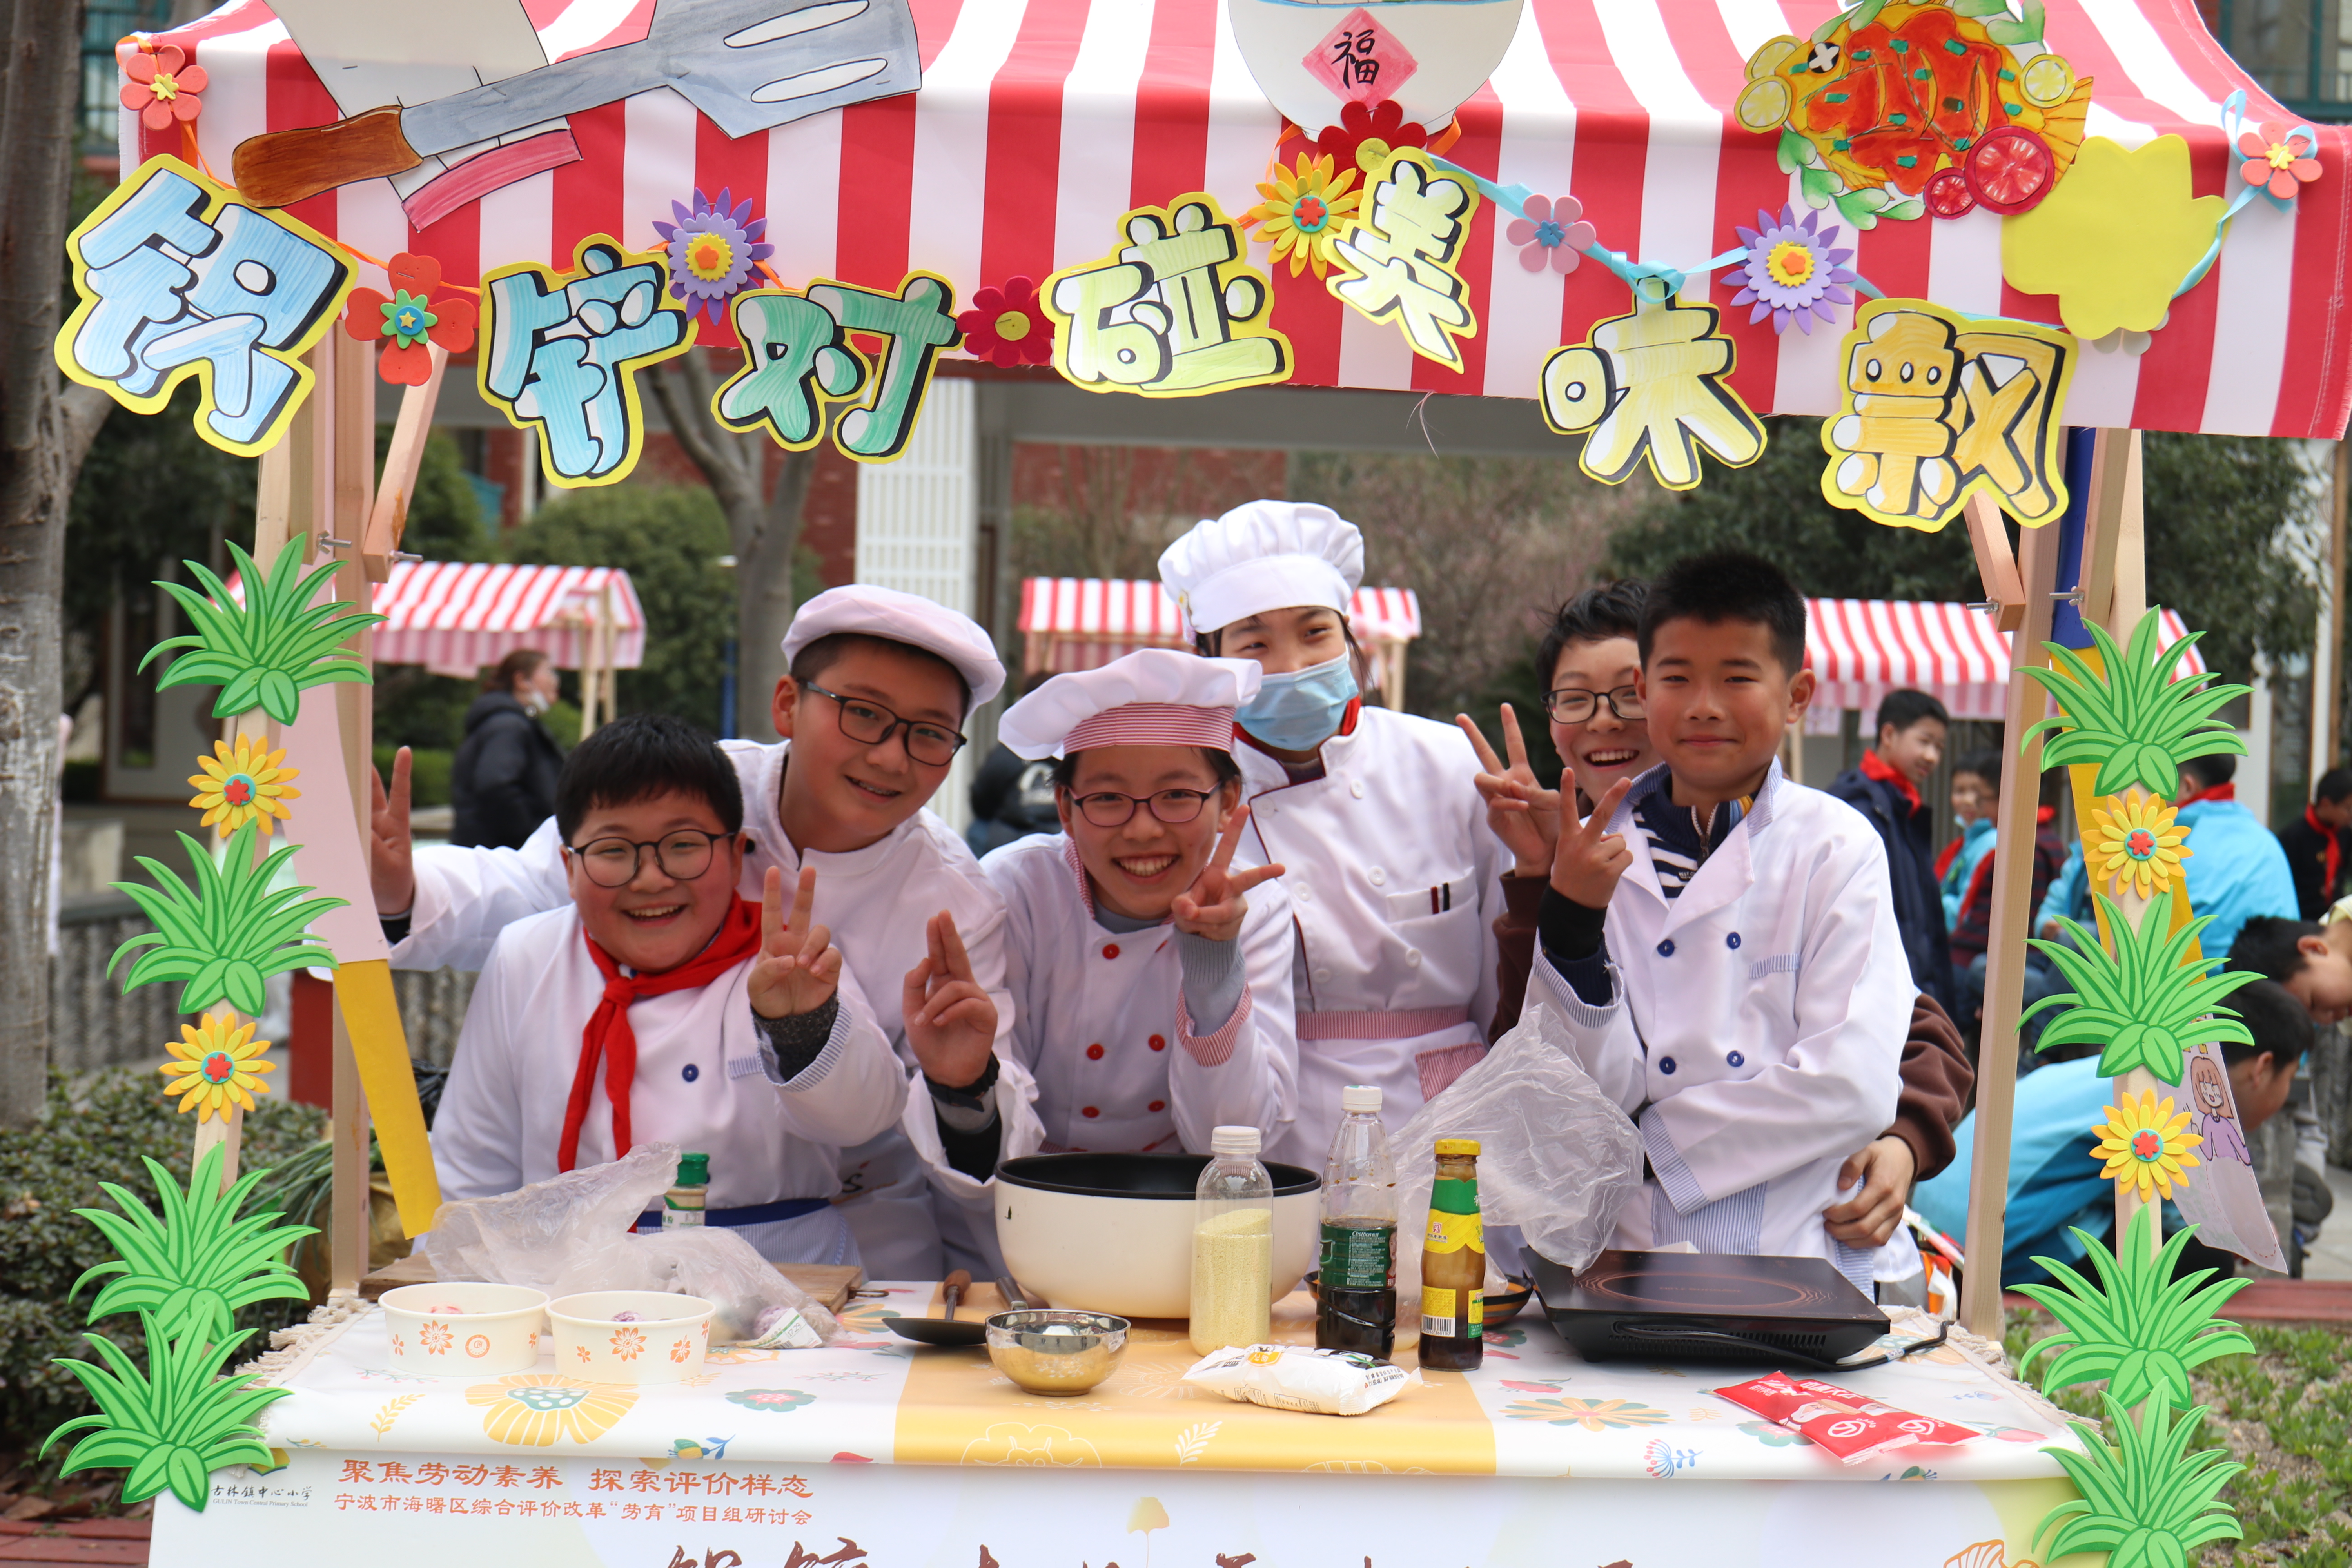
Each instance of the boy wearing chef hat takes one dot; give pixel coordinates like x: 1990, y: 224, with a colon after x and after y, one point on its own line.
x: 872, y: 715
x: 1151, y: 982
x: 1395, y: 877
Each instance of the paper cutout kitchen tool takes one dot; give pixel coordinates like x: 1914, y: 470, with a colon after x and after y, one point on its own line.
x: 266, y: 649
x: 748, y: 65
x: 1429, y: 56
x: 798, y: 359
x: 1652, y: 387
x: 1396, y: 258
x: 2129, y: 717
x: 180, y: 278
x: 1938, y: 406
x: 2116, y: 241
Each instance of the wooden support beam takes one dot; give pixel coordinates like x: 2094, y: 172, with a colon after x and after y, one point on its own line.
x: 2004, y: 590
x: 397, y: 486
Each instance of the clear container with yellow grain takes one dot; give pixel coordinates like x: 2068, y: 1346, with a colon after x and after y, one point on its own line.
x: 1233, y: 1244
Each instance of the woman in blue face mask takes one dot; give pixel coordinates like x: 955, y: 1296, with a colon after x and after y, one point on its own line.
x: 1393, y: 875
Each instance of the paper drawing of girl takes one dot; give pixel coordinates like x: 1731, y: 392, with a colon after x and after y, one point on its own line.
x: 2208, y: 1092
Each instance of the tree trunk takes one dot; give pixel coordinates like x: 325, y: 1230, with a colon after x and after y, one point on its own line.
x: 44, y: 432
x: 763, y: 527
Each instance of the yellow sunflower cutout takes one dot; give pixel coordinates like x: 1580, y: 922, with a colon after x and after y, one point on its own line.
x: 216, y: 1064
x: 2136, y: 845
x: 2145, y: 1145
x: 241, y: 785
x: 532, y: 1409
x: 1304, y: 212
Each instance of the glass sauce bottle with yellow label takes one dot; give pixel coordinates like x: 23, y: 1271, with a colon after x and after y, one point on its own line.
x: 1454, y: 1263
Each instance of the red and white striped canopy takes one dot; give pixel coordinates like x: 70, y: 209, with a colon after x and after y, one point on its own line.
x: 1084, y: 622
x: 455, y: 617
x: 1040, y: 121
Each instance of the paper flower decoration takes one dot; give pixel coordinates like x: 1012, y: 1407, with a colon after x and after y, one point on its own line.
x: 244, y: 785
x: 163, y: 86
x: 1006, y: 325
x: 2278, y: 159
x: 1367, y: 133
x: 215, y: 1064
x: 417, y: 309
x: 2145, y: 1145
x: 1303, y: 211
x: 2144, y: 1006
x: 1551, y: 232
x: 712, y: 251
x: 2116, y: 239
x: 1792, y: 272
x: 2137, y: 845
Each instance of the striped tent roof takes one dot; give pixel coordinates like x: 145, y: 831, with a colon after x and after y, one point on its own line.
x: 1040, y: 121
x: 456, y: 616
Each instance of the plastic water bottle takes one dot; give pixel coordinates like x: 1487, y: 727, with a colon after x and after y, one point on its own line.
x: 1233, y: 1244
x: 1356, y: 1277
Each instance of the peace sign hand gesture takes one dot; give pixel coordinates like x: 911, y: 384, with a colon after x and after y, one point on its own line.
x: 1213, y: 905
x: 798, y: 969
x: 1522, y: 812
x: 1592, y: 858
x: 950, y: 1020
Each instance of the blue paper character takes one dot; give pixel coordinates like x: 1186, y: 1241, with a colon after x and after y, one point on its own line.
x: 797, y: 357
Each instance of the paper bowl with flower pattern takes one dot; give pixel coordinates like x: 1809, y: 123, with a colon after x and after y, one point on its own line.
x: 464, y: 1328
x: 630, y: 1336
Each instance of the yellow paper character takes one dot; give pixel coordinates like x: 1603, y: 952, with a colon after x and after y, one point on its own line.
x: 1650, y: 386
x: 2009, y: 407
x: 1178, y: 311
x: 1397, y: 259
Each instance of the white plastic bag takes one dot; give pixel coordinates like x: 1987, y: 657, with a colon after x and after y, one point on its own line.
x: 1300, y: 1377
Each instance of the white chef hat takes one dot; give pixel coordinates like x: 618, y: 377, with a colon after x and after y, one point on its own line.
x: 1153, y: 697
x: 868, y: 611
x: 1263, y: 555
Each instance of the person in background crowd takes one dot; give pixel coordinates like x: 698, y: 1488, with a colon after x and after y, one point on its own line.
x: 502, y: 785
x: 1976, y: 801
x: 1973, y: 917
x: 1912, y: 727
x: 2314, y: 843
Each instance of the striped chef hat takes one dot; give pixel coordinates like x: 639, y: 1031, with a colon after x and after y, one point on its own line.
x: 1153, y: 697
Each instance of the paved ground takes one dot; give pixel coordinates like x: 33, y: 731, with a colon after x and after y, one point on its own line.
x: 2330, y: 1257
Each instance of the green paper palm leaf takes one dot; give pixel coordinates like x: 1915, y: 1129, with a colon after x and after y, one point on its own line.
x: 172, y: 1426
x: 2145, y: 1330
x: 230, y: 933
x: 196, y: 1266
x: 2146, y: 1004
x: 265, y: 652
x: 2146, y: 1502
x: 2134, y: 721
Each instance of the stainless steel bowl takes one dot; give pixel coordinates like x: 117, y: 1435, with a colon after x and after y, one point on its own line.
x: 1055, y: 1351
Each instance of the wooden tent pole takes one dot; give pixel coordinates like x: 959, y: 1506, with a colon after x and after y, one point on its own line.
x: 350, y: 366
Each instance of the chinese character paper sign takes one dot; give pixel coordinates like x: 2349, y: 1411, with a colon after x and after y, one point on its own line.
x: 1651, y: 386
x: 1175, y: 312
x: 798, y: 357
x: 1397, y: 259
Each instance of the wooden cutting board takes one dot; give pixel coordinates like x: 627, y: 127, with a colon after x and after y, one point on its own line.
x: 830, y: 1283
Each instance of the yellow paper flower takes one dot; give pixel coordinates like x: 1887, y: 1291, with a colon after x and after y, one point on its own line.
x: 216, y: 1064
x: 2146, y: 1146
x: 2137, y: 845
x: 1304, y: 212
x: 532, y: 1409
x: 2114, y: 239
x: 241, y: 785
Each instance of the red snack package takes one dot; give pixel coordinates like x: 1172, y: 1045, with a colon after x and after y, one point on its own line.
x: 1849, y: 1426
x: 1923, y: 1428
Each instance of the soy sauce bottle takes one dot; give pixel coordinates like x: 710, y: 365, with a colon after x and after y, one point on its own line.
x: 1454, y: 1263
x: 1356, y: 1280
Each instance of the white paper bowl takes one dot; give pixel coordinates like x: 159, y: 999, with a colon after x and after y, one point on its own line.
x: 495, y: 1330
x: 1455, y: 44
x: 667, y: 1342
x: 1113, y: 1233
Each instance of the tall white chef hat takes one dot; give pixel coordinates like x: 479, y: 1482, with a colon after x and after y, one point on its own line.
x: 1153, y: 697
x: 1260, y: 556
x: 868, y: 611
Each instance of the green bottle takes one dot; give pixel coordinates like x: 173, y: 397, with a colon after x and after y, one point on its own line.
x: 682, y: 1204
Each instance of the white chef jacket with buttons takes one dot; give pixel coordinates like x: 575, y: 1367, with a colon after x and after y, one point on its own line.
x: 876, y: 901
x: 1756, y: 1026
x: 1394, y: 882
x: 700, y: 1084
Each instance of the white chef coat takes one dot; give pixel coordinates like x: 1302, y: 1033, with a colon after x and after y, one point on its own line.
x: 1756, y: 1028
x: 700, y: 1084
x: 877, y: 901
x: 1394, y: 882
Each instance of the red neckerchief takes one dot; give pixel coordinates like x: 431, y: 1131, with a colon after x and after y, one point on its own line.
x: 1875, y: 766
x: 609, y: 1037
x: 1951, y: 853
x: 2225, y: 791
x: 2326, y: 836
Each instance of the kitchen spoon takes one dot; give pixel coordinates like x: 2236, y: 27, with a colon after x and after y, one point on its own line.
x: 944, y: 1331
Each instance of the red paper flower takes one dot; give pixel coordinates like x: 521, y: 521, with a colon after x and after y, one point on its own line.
x: 1367, y: 134
x: 417, y: 310
x: 163, y: 86
x: 1006, y: 326
x: 2277, y: 161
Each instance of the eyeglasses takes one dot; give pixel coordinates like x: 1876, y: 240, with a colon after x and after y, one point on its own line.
x: 875, y: 724
x: 1574, y: 704
x: 614, y: 862
x: 1107, y: 808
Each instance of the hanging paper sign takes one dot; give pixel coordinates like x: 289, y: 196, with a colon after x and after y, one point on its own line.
x: 1938, y: 406
x: 797, y: 358
x: 1397, y: 259
x: 1650, y: 388
x: 179, y: 279
x: 1176, y: 311
x: 1361, y: 59
x: 1430, y: 56
x: 560, y: 352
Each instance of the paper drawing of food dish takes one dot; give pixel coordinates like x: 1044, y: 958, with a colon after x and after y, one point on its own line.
x: 1311, y: 57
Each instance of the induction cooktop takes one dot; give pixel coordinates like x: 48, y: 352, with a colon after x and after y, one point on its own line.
x: 1660, y: 1306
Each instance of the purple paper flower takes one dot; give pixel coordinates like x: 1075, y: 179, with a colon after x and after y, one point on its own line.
x: 1551, y: 233
x: 1791, y: 271
x: 712, y: 251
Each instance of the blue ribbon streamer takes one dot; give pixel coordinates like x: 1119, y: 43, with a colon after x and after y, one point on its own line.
x: 2233, y: 111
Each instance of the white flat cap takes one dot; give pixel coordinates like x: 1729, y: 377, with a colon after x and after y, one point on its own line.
x: 1260, y: 556
x: 868, y: 611
x: 1153, y: 697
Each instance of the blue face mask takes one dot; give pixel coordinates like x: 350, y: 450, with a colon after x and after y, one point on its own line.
x: 1301, y: 709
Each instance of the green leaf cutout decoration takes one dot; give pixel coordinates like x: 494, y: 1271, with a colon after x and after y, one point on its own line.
x: 1818, y: 186
x: 1905, y: 210
x: 2015, y: 32
x: 228, y: 933
x: 2134, y: 721
x: 2144, y: 1331
x: 2147, y: 1004
x: 1792, y: 151
x: 195, y: 1267
x: 264, y: 653
x: 173, y: 1425
x: 2146, y: 1502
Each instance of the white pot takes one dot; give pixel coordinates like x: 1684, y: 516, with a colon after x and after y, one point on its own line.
x: 1113, y: 1233
x: 663, y: 1342
x: 495, y: 1329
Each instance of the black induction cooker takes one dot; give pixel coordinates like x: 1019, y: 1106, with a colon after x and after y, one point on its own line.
x: 1686, y: 1306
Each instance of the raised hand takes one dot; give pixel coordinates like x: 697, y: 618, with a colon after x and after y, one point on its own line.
x: 1213, y: 905
x: 392, y: 869
x: 798, y: 969
x: 1523, y: 814
x: 950, y: 1020
x: 1592, y: 858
